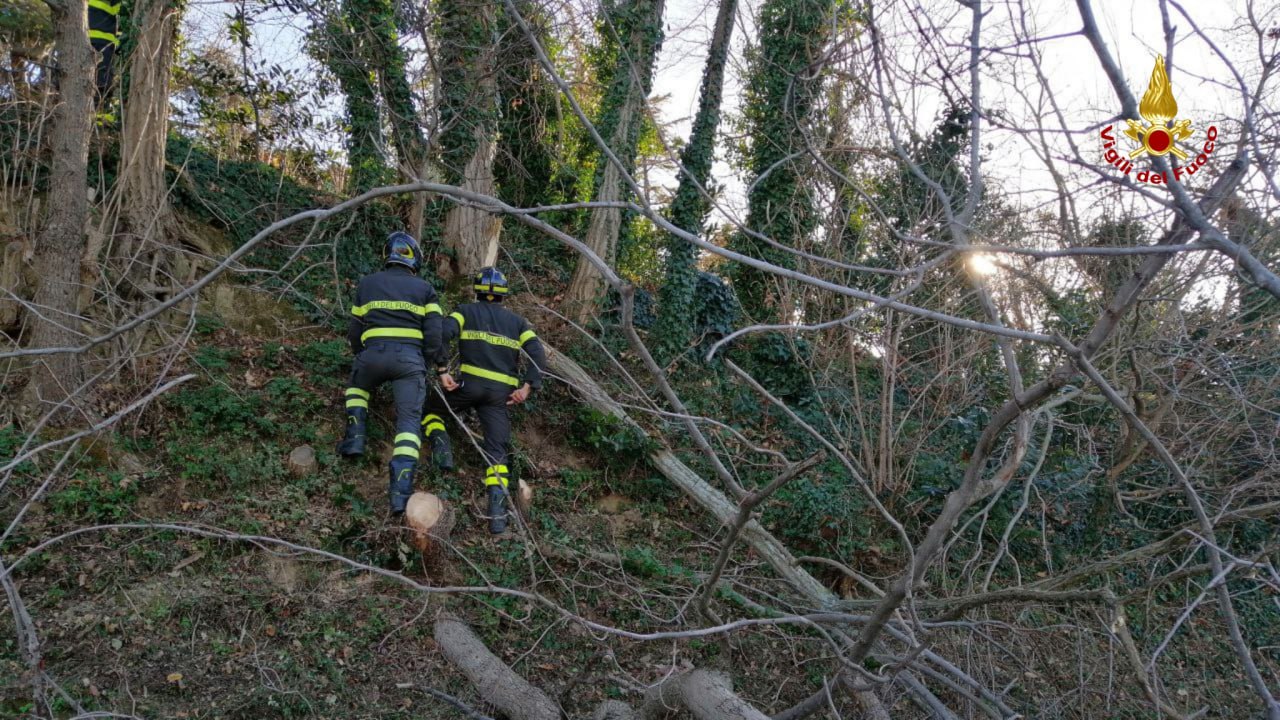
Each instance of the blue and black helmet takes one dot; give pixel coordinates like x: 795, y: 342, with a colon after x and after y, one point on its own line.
x: 402, y: 249
x: 490, y: 281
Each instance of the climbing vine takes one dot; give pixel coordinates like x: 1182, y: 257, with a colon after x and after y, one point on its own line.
x: 468, y: 101
x: 631, y: 35
x: 780, y: 95
x: 341, y: 54
x: 689, y: 207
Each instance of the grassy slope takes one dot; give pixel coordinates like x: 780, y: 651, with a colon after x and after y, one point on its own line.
x: 255, y: 633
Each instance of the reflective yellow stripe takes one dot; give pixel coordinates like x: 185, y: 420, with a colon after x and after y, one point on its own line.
x: 461, y: 320
x: 413, y: 333
x: 432, y: 417
x: 104, y: 35
x: 358, y: 392
x: 410, y: 437
x: 362, y: 310
x: 434, y: 308
x: 434, y: 427
x: 490, y: 289
x: 491, y: 480
x: 490, y: 375
x: 105, y: 7
x: 495, y: 469
x: 357, y: 402
x: 526, y: 336
x: 410, y: 452
x: 490, y: 338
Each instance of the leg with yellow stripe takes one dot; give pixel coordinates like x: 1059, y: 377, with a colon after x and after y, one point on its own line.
x: 495, y: 481
x: 437, y: 437
x: 433, y: 427
x: 410, y: 391
x: 496, y: 424
x: 404, y: 462
x: 357, y: 402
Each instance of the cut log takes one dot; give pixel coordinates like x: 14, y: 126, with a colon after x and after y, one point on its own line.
x: 707, y: 696
x: 429, y: 521
x: 496, y: 682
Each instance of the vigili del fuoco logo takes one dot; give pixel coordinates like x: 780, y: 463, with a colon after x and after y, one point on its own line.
x: 1157, y: 136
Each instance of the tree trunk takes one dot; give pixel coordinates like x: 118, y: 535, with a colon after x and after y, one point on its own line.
x: 57, y: 259
x: 781, y: 93
x: 471, y: 233
x: 143, y: 256
x: 689, y: 207
x: 397, y: 98
x: 496, y: 682
x: 342, y: 55
x: 525, y: 166
x: 639, y: 36
x: 707, y: 696
x: 468, y: 135
x: 602, y: 233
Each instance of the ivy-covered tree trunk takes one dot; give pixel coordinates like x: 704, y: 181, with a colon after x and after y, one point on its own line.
x: 525, y: 162
x: 141, y: 255
x: 56, y: 261
x: 343, y: 56
x: 780, y: 97
x: 689, y: 207
x: 388, y: 58
x: 465, y: 32
x: 633, y: 32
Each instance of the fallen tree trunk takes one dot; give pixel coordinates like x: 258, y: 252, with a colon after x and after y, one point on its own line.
x: 710, y: 499
x: 692, y: 484
x: 496, y: 682
x: 707, y: 696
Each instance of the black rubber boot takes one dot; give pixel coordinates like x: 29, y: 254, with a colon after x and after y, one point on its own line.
x: 401, y: 485
x: 352, y: 444
x: 497, y: 510
x: 441, y: 450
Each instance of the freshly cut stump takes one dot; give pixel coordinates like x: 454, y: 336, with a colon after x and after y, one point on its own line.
x: 429, y: 521
x: 523, y: 497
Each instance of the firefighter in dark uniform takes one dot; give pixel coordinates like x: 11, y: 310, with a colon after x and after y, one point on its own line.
x: 104, y: 36
x: 491, y: 340
x: 394, y: 329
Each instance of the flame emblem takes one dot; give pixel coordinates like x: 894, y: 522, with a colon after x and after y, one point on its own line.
x: 1158, y: 107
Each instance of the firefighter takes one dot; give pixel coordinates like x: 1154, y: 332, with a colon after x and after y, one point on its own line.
x: 104, y: 36
x: 490, y: 339
x: 393, y: 330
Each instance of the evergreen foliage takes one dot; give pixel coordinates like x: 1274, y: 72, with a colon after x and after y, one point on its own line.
x: 780, y: 95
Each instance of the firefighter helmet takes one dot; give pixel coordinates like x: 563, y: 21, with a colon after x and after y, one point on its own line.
x: 490, y: 281
x: 402, y: 249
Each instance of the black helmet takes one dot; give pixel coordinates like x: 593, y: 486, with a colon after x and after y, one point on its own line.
x: 402, y: 249
x: 490, y: 281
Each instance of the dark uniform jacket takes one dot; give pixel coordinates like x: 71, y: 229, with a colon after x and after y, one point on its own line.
x: 395, y: 305
x: 490, y: 341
